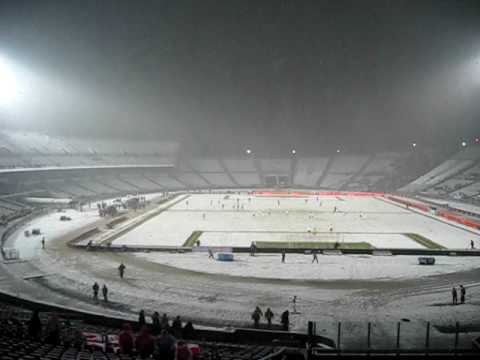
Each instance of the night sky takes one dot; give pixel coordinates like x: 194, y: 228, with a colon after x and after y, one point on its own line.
x: 223, y: 75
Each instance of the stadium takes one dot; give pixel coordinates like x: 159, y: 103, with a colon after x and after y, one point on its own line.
x: 354, y: 244
x: 364, y: 239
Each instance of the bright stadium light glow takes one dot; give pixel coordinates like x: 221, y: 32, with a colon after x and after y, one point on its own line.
x: 414, y: 145
x: 8, y: 86
x: 248, y: 151
x: 294, y: 151
x: 464, y: 143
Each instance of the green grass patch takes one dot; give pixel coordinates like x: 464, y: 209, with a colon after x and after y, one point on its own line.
x: 311, y: 245
x: 422, y: 240
x: 192, y: 239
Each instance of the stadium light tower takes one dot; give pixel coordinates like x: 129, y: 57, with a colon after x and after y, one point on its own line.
x: 8, y: 86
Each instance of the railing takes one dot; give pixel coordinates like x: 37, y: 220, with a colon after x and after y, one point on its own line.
x: 403, y: 337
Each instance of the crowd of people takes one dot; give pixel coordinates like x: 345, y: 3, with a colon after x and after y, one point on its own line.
x: 162, y: 339
x: 52, y: 331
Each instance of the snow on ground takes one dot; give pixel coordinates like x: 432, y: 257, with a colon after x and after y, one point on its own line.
x: 329, y: 267
x: 234, y: 214
x: 51, y: 227
x: 221, y: 300
x: 227, y: 301
x: 126, y: 225
x: 47, y: 200
x: 153, y: 196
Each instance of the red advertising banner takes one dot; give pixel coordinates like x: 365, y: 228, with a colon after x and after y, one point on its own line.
x: 313, y: 193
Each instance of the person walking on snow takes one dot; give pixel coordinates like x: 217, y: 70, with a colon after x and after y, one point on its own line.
x: 285, y: 320
x: 43, y: 242
x: 462, y: 294
x: 257, y: 313
x: 95, y: 288
x: 105, y: 293
x: 472, y: 245
x: 283, y: 256
x: 269, y: 316
x: 454, y: 296
x: 253, y: 247
x: 315, y: 257
x: 121, y: 270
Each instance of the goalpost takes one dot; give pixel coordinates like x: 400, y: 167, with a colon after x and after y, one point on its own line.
x: 325, y: 237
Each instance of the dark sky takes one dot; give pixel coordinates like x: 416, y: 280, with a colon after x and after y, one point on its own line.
x: 223, y: 75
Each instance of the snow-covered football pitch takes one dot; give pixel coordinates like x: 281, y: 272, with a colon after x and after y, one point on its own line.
x: 237, y: 220
x: 225, y: 220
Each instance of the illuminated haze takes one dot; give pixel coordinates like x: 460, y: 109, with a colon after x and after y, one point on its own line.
x: 223, y: 75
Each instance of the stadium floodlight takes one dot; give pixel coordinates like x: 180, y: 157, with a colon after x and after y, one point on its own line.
x: 414, y: 145
x: 477, y: 140
x: 338, y: 151
x: 464, y: 143
x: 294, y: 151
x: 248, y: 151
x: 8, y: 88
